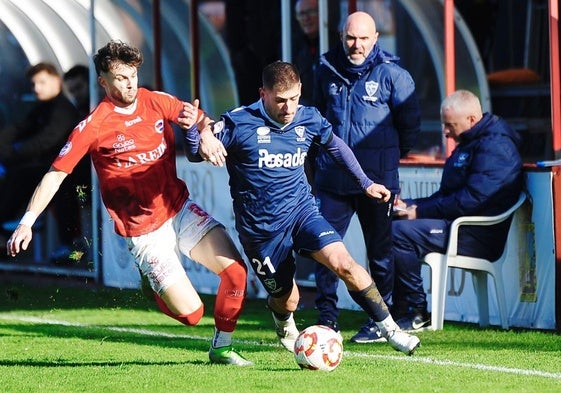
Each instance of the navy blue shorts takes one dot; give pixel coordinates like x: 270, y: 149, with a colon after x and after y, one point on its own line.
x: 271, y: 254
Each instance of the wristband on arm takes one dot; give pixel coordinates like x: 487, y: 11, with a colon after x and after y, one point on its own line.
x: 28, y: 219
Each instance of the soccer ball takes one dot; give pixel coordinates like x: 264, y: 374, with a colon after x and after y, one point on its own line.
x: 318, y: 347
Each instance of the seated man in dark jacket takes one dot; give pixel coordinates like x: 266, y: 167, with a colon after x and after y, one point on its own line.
x: 483, y: 176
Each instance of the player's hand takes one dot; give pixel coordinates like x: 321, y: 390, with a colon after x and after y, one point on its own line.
x: 378, y: 191
x: 190, y: 114
x: 211, y: 148
x: 19, y: 240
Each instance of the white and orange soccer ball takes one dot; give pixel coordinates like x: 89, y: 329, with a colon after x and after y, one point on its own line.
x: 318, y: 347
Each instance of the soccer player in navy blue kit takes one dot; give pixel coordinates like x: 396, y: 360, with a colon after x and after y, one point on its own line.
x: 264, y: 146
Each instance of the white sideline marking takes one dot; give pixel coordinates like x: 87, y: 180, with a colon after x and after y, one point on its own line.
x: 145, y: 332
x: 483, y: 367
x: 417, y: 359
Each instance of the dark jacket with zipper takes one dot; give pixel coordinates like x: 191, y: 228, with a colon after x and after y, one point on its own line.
x: 374, y: 109
x: 482, y: 177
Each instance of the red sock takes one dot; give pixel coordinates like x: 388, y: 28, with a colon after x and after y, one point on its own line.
x: 189, y: 320
x: 230, y: 296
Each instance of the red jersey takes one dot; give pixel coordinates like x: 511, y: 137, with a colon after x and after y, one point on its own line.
x: 133, y: 152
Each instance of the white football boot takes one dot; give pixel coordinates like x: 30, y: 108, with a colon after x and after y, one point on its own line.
x: 398, y: 339
x: 402, y: 341
x: 287, y: 332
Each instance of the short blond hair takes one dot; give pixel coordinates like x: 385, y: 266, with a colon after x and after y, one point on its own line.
x: 462, y: 101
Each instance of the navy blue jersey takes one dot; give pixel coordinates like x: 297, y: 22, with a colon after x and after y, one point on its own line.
x: 266, y: 165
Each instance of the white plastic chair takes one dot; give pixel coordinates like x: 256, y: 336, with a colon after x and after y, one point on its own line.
x: 478, y: 267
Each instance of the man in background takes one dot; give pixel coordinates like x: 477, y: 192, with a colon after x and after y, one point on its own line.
x: 77, y: 83
x: 29, y: 147
x: 482, y: 177
x: 371, y: 103
x: 307, y: 57
x: 72, y: 203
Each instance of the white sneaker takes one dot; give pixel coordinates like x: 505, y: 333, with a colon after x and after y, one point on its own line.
x: 287, y: 332
x: 402, y: 341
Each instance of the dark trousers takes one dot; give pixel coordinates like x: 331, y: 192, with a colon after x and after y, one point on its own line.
x: 413, y: 239
x: 375, y: 222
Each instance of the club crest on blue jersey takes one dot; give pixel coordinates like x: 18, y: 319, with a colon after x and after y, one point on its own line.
x: 300, y: 133
x: 263, y: 135
x: 271, y: 284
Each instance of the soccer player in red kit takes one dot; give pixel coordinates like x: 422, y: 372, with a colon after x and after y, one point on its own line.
x: 132, y: 146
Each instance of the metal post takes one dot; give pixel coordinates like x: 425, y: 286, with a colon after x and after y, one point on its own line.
x: 449, y: 58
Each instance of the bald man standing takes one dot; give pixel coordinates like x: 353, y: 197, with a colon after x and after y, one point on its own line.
x: 371, y: 103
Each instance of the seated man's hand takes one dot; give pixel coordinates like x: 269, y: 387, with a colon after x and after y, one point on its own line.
x: 401, y: 210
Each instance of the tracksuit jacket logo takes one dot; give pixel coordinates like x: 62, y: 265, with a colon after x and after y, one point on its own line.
x: 371, y: 89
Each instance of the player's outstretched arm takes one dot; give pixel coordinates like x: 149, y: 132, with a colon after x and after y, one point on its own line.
x: 39, y: 200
